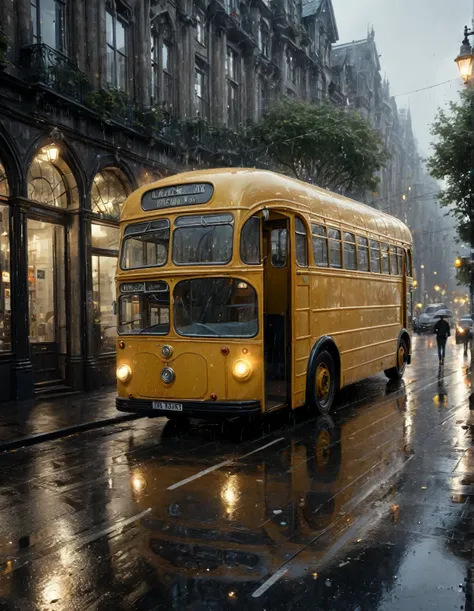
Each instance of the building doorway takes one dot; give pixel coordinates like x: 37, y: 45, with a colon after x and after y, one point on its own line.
x: 47, y: 300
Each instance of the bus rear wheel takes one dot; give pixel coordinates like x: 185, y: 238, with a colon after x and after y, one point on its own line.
x: 396, y: 373
x: 324, y: 383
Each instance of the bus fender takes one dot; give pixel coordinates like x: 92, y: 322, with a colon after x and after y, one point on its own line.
x: 406, y: 337
x: 324, y: 343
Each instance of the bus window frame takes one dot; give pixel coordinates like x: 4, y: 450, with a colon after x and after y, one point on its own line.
x: 330, y: 239
x: 127, y: 235
x: 300, y: 233
x: 354, y: 245
x: 365, y: 246
x: 204, y: 214
x: 243, y: 225
x: 371, y: 248
x: 384, y: 247
x: 323, y: 238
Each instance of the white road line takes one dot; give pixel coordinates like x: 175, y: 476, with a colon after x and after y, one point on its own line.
x: 268, y: 584
x: 183, y: 482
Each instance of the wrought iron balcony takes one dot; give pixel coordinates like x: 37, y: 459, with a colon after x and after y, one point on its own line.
x: 43, y: 65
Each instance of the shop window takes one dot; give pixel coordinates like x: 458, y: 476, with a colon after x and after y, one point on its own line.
x: 47, y: 182
x: 103, y: 297
x: 109, y: 191
x: 5, y: 296
x: 4, y: 187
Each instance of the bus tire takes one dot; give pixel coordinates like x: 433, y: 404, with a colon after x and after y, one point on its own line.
x: 323, y: 383
x: 396, y: 373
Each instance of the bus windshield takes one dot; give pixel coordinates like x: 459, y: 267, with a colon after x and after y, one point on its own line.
x: 203, y: 239
x: 146, y: 244
x: 215, y: 307
x: 145, y: 309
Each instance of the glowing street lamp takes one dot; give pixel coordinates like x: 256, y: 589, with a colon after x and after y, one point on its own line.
x: 437, y: 288
x: 465, y: 58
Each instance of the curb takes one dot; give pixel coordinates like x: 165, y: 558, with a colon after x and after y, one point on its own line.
x: 31, y: 440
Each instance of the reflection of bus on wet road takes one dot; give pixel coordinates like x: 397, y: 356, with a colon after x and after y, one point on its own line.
x: 241, y: 523
x: 242, y: 292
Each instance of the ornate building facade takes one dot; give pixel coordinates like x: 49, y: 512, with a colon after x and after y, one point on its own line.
x: 95, y: 96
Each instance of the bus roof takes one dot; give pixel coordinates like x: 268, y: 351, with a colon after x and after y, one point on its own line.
x: 249, y: 188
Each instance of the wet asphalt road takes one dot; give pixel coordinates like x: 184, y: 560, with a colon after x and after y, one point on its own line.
x: 369, y: 509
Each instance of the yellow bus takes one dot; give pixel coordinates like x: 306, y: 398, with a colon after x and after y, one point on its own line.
x: 241, y: 292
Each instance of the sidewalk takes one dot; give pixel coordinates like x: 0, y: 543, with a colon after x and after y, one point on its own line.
x: 27, y: 423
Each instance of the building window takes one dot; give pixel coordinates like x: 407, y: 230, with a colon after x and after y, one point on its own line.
x: 109, y: 191
x: 291, y: 69
x: 103, y: 298
x: 48, y: 20
x: 5, y: 295
x: 201, y: 90
x: 162, y: 62
x: 116, y: 37
x: 4, y: 187
x: 263, y: 96
x: 46, y: 180
x: 233, y: 89
x: 264, y: 39
x: 201, y: 28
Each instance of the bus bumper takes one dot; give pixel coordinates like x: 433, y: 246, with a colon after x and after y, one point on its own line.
x: 197, y: 409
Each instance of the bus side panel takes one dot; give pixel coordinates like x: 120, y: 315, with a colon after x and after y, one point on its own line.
x: 370, y: 325
x: 301, y: 335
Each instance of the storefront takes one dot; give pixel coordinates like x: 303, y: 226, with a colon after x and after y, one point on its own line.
x: 58, y: 257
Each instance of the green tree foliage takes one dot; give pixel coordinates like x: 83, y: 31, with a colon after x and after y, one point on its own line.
x: 333, y: 148
x: 453, y: 161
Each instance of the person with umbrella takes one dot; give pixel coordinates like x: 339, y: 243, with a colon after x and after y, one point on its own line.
x: 443, y: 331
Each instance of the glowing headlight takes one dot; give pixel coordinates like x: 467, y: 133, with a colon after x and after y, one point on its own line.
x: 460, y: 330
x: 124, y: 373
x: 242, y: 370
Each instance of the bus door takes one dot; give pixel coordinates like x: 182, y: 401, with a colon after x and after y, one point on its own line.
x: 277, y: 324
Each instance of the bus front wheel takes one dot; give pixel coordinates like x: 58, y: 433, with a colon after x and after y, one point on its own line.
x: 324, y: 383
x: 396, y: 373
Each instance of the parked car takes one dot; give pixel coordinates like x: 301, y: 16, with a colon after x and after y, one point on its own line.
x: 427, y: 319
x: 463, y: 328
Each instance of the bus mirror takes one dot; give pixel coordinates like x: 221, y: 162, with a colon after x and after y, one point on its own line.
x: 114, y: 308
x: 265, y: 214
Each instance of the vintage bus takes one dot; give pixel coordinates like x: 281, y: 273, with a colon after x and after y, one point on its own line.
x: 240, y: 292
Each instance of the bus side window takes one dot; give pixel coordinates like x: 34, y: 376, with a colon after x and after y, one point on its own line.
x: 250, y: 241
x: 363, y: 254
x: 301, y: 239
x: 279, y: 248
x: 320, y: 245
x: 409, y: 264
x: 393, y: 261
x: 375, y: 256
x: 350, y: 258
x: 400, y: 260
x: 335, y: 255
x: 385, y: 259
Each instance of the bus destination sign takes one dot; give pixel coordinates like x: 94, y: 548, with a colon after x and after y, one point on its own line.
x: 179, y: 195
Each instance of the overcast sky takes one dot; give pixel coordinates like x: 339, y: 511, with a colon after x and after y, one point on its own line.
x: 418, y: 41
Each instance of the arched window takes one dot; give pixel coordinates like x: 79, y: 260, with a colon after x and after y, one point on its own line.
x: 109, y: 191
x: 264, y: 39
x: 162, y: 62
x: 4, y: 187
x: 46, y: 179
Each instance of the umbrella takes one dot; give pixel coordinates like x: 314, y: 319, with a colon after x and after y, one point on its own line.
x: 445, y: 312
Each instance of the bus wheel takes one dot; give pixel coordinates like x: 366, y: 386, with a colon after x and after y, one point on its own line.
x: 396, y: 373
x: 324, y: 383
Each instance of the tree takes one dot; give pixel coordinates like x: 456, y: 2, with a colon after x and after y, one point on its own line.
x: 453, y: 161
x: 334, y: 148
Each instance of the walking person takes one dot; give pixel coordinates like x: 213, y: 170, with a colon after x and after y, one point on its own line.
x: 443, y: 331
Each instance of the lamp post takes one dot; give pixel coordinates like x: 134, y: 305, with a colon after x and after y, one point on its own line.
x: 465, y: 61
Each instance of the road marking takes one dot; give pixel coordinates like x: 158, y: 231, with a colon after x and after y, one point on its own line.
x: 183, y: 482
x: 268, y: 584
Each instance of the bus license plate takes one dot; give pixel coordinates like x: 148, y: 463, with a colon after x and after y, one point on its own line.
x: 170, y: 407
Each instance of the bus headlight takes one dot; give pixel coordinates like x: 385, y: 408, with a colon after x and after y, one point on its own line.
x: 242, y: 370
x: 124, y: 373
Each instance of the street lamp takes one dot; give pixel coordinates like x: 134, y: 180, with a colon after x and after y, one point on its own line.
x: 465, y: 58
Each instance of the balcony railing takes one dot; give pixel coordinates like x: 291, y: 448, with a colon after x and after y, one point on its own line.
x: 44, y: 65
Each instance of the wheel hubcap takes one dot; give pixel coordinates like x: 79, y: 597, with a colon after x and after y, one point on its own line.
x: 323, y: 383
x: 401, y: 357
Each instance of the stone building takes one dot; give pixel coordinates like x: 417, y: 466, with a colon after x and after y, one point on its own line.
x: 96, y: 98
